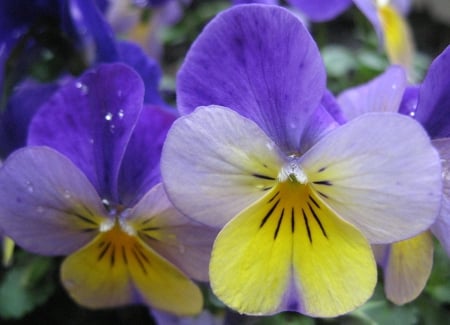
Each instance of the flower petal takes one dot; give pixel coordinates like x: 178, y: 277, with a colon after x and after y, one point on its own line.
x: 433, y: 108
x: 288, y: 252
x: 118, y: 269
x: 216, y: 162
x: 441, y: 228
x: 407, y: 267
x: 180, y: 240
x: 378, y: 172
x: 382, y: 94
x: 321, y: 10
x: 140, y: 166
x: 47, y: 205
x: 274, y: 76
x: 91, y: 121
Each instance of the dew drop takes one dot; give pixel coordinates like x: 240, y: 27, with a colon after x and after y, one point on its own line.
x: 412, y: 114
x: 30, y: 187
x: 109, y: 116
x: 82, y: 87
x: 121, y: 114
x: 119, y: 93
x: 67, y: 194
x: 181, y: 249
x: 112, y: 128
x: 91, y: 140
x: 40, y: 210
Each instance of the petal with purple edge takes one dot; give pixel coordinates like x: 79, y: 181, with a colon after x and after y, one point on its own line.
x: 91, y: 120
x: 216, y: 162
x: 376, y: 172
x: 180, y: 240
x: 433, y: 108
x: 382, y: 94
x: 407, y: 267
x: 321, y: 10
x: 259, y: 61
x: 47, y: 205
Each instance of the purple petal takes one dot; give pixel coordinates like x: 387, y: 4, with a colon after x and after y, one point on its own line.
x: 21, y: 107
x: 319, y: 124
x: 240, y: 2
x: 146, y: 67
x: 47, y: 205
x: 321, y: 10
x: 433, y: 108
x: 261, y: 62
x: 330, y: 103
x: 182, y: 241
x: 89, y: 20
x: 382, y: 94
x: 410, y: 98
x: 140, y: 167
x: 91, y: 121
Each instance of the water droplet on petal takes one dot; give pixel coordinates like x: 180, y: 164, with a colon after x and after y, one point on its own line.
x: 120, y: 114
x: 30, y: 187
x: 119, y: 93
x: 40, y: 210
x: 67, y: 194
x: 412, y: 114
x: 82, y: 87
x: 181, y: 249
x: 109, y: 116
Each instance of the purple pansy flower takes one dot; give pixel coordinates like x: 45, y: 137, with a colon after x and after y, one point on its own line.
x: 407, y: 264
x: 299, y: 199
x: 88, y: 186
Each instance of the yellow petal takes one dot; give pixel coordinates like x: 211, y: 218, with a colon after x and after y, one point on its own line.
x: 117, y: 269
x: 408, y: 267
x: 8, y: 251
x: 288, y: 251
x: 398, y: 41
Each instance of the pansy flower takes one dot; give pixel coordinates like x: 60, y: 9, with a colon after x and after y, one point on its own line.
x: 88, y: 186
x: 298, y: 200
x: 407, y: 264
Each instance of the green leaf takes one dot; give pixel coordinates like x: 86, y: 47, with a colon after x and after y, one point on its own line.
x: 25, y: 285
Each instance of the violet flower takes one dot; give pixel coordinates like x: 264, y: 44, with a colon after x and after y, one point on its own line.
x: 88, y: 187
x: 299, y: 199
x: 407, y: 264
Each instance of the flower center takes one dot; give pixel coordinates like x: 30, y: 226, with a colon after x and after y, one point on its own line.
x: 292, y: 172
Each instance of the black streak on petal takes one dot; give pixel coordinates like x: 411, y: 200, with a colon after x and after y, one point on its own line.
x: 103, y: 252
x: 327, y: 183
x: 270, y: 178
x: 292, y: 220
x: 307, y: 226
x: 317, y: 220
x: 269, y: 213
x: 278, y: 225
x: 124, y: 255
x: 314, y: 201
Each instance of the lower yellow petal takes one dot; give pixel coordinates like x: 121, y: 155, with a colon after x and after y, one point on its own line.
x: 408, y: 267
x: 397, y: 36
x: 117, y: 268
x: 333, y: 263
x: 288, y: 251
x: 8, y: 251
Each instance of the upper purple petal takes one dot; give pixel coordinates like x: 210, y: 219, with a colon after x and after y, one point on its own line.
x: 91, y: 120
x: 433, y: 108
x: 259, y: 61
x: 140, y: 167
x: 321, y: 10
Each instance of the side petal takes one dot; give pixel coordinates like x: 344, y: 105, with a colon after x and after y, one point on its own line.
x: 407, y: 268
x: 433, y: 108
x: 287, y: 252
x: 180, y: 240
x: 382, y: 94
x: 441, y: 228
x: 47, y: 205
x: 91, y: 120
x: 215, y: 163
x: 378, y: 172
x: 274, y: 76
